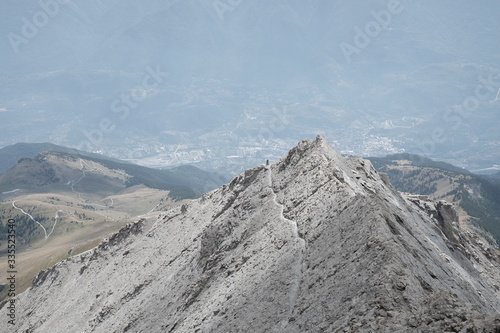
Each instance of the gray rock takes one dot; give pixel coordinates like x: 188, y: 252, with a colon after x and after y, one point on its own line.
x: 313, y: 243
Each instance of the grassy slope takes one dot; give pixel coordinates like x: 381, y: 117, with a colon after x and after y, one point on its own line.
x: 82, y: 225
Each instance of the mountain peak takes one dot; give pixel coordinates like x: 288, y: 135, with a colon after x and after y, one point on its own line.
x: 318, y: 148
x: 313, y: 242
x: 318, y: 158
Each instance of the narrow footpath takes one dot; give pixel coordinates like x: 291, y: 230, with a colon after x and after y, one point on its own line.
x: 300, y: 247
x: 31, y: 217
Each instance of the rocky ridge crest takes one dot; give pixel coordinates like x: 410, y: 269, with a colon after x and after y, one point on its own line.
x: 313, y: 243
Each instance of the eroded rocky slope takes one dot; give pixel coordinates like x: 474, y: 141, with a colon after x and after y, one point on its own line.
x: 313, y: 243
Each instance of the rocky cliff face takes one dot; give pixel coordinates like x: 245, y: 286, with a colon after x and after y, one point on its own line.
x: 313, y: 243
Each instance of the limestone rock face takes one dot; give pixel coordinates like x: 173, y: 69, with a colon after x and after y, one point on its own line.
x: 313, y: 243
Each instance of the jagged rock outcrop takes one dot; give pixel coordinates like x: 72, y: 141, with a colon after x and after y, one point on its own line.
x: 313, y: 243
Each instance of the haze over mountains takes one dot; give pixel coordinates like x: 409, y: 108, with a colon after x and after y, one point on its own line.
x: 248, y: 79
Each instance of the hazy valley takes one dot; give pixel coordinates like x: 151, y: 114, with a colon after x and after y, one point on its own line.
x: 426, y: 83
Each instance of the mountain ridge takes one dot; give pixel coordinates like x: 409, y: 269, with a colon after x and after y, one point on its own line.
x: 183, y: 181
x: 13, y: 153
x: 232, y: 261
x: 418, y: 160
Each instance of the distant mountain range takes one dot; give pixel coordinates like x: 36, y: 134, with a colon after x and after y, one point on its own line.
x: 183, y: 181
x: 10, y: 155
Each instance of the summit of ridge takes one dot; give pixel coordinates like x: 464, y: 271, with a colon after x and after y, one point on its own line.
x: 318, y: 148
x: 318, y: 159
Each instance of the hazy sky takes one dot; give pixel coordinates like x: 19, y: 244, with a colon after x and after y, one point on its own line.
x: 372, y: 76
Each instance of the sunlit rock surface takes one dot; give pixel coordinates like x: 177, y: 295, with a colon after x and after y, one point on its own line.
x: 313, y: 243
